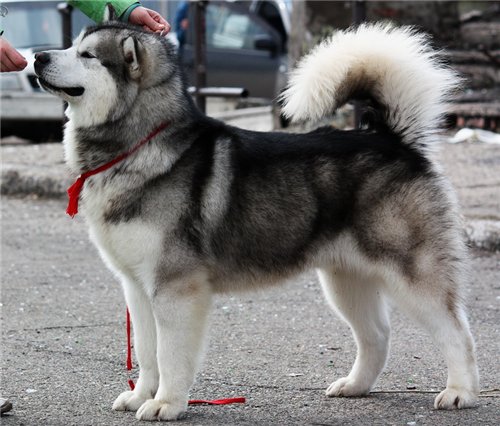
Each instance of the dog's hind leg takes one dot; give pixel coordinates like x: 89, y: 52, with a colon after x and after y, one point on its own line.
x: 181, y: 311
x: 440, y: 311
x: 362, y: 305
x: 144, y: 329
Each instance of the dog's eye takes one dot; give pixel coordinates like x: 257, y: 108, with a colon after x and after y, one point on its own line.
x: 87, y: 55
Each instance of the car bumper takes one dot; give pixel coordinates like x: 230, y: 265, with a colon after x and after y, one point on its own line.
x: 30, y: 107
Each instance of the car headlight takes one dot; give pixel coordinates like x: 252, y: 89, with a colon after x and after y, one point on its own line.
x: 10, y: 81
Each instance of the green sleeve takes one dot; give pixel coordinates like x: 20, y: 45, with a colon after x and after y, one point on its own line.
x: 94, y: 9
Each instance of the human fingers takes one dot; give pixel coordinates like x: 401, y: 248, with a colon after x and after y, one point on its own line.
x: 158, y: 18
x: 18, y: 60
x: 10, y: 58
x: 157, y: 23
x: 6, y: 64
x: 149, y: 20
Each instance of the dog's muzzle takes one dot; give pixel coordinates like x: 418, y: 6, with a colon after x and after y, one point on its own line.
x: 42, y: 59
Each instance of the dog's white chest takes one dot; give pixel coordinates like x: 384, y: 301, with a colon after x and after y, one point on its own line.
x: 131, y: 248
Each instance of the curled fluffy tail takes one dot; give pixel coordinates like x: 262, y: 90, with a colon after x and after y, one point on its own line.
x: 394, y: 66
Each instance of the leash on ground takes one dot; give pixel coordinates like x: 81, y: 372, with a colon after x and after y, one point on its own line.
x: 224, y: 401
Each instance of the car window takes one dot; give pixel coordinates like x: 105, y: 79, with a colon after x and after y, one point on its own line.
x: 38, y: 24
x: 230, y: 29
x: 32, y: 25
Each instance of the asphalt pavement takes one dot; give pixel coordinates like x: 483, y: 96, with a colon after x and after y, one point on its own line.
x: 63, y: 322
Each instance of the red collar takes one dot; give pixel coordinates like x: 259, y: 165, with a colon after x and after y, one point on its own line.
x: 75, y: 189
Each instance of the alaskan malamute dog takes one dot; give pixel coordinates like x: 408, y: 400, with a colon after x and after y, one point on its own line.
x: 188, y: 206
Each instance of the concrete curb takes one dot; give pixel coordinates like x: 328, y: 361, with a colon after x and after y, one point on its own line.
x: 15, y: 182
x: 483, y: 234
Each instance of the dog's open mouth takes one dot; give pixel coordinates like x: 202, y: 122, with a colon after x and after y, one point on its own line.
x: 71, y: 91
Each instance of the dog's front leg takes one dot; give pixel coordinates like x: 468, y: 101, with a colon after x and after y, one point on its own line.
x: 141, y: 312
x: 181, y: 309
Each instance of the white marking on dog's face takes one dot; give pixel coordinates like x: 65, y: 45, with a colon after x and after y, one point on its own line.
x: 78, y: 76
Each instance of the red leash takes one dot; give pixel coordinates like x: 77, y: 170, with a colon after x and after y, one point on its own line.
x: 75, y: 189
x: 129, y: 351
x: 225, y: 401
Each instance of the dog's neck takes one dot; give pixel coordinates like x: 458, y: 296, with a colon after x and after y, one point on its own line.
x: 89, y: 146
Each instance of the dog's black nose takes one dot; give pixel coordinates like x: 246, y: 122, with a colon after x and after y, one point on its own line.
x: 42, y: 58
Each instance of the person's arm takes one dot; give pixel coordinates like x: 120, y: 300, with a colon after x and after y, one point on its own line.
x: 127, y: 11
x: 94, y: 9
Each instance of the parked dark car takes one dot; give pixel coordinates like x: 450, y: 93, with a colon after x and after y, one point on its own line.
x: 243, y: 48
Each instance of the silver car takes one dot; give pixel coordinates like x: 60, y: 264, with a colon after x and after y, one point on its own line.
x: 31, y: 26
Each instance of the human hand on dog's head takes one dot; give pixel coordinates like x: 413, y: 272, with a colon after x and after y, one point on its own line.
x: 150, y: 20
x: 10, y: 58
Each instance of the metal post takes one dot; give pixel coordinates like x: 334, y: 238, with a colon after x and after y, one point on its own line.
x: 200, y: 57
x: 358, y: 11
x: 358, y: 16
x: 65, y: 10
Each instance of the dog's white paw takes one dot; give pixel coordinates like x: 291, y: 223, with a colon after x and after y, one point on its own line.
x: 153, y: 409
x: 452, y: 399
x: 346, y: 387
x: 129, y: 401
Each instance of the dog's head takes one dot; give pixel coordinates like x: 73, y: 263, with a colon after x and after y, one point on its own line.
x: 105, y: 70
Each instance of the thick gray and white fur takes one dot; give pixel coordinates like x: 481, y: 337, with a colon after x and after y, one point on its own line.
x: 206, y: 208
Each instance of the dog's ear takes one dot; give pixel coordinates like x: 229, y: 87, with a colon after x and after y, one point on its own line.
x: 131, y: 54
x: 109, y: 13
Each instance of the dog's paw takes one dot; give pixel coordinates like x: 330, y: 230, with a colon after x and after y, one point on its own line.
x: 452, y: 399
x: 154, y: 409
x: 346, y: 387
x: 129, y: 401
